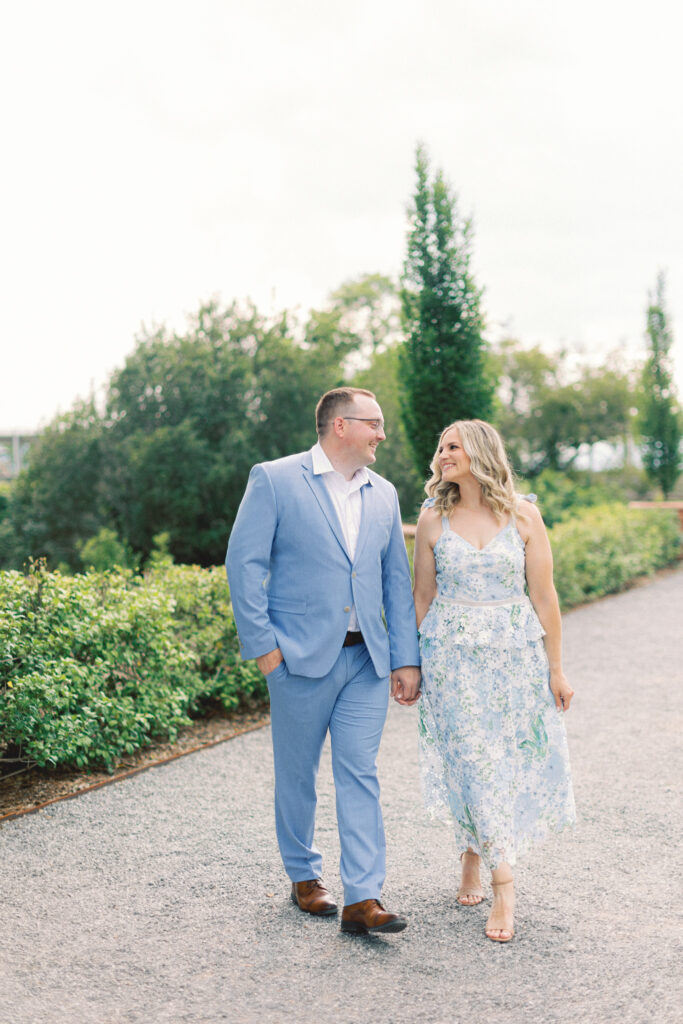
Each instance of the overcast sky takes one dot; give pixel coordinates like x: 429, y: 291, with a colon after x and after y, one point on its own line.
x: 158, y: 153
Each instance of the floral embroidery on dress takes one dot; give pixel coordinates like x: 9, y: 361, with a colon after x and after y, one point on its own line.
x: 493, y: 747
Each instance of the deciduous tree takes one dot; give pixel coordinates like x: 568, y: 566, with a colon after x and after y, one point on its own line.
x: 547, y: 413
x: 57, y: 501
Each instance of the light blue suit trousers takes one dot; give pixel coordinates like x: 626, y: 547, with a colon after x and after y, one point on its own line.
x: 350, y: 702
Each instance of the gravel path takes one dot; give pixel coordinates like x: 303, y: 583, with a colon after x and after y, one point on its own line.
x: 161, y: 898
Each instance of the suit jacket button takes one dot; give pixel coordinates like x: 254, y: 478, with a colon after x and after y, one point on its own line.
x: 347, y: 609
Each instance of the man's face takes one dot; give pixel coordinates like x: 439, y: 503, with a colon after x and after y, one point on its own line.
x: 363, y: 429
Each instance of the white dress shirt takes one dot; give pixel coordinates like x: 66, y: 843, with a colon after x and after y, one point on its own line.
x: 346, y: 498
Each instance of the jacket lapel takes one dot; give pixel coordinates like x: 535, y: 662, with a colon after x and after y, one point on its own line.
x: 317, y: 485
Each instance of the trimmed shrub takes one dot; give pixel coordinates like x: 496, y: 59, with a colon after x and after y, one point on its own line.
x: 564, y: 494
x: 105, y: 551
x: 601, y: 550
x: 203, y: 621
x: 93, y: 667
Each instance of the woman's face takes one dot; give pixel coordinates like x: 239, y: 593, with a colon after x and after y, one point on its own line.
x: 453, y: 459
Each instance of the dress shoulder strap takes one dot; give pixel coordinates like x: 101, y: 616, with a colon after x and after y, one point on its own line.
x: 532, y: 498
x: 445, y: 525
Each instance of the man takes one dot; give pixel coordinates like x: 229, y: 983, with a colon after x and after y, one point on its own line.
x: 315, y: 556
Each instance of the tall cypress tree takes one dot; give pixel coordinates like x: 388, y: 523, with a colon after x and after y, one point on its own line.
x: 442, y: 359
x: 660, y: 420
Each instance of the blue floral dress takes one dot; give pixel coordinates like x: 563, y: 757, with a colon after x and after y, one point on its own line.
x: 493, y: 747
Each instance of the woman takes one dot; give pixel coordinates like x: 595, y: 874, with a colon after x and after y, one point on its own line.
x: 493, y: 748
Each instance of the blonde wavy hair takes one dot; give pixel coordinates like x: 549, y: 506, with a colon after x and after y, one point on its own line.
x: 488, y: 464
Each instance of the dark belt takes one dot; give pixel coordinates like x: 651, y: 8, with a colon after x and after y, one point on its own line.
x: 352, y: 638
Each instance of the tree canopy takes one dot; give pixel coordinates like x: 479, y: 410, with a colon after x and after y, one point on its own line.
x: 660, y: 420
x: 547, y: 413
x: 189, y: 413
x: 183, y: 421
x: 442, y: 360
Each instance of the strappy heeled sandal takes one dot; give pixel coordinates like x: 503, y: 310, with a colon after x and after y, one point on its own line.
x: 499, y: 912
x: 476, y: 893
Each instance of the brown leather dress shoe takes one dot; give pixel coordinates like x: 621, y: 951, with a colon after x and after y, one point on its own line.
x: 313, y: 897
x: 370, y: 916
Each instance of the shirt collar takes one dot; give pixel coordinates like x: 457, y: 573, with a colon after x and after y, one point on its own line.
x: 322, y: 464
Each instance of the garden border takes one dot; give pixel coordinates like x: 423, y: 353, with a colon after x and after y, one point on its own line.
x: 118, y: 777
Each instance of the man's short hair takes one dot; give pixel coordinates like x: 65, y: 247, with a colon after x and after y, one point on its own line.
x: 335, y: 403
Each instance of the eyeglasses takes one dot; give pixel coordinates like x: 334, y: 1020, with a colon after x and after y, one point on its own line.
x: 375, y: 424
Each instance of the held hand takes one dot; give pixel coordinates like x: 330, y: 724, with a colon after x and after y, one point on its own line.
x: 267, y: 662
x: 405, y: 684
x: 561, y: 690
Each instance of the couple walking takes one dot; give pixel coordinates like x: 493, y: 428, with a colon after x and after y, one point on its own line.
x: 320, y: 587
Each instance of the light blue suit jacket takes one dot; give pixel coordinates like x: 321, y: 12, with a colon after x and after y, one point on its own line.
x: 292, y: 583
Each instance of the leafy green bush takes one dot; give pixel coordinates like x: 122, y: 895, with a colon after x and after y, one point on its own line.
x: 105, y: 551
x: 160, y: 554
x: 95, y: 666
x: 6, y: 531
x: 600, y: 550
x: 564, y: 493
x: 203, y: 621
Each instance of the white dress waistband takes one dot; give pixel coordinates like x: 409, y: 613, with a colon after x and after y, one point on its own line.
x: 520, y: 599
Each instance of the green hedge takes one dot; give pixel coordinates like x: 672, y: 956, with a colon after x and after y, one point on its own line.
x: 601, y: 550
x: 95, y: 666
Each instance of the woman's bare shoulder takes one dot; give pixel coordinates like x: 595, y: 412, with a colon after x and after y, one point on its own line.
x: 527, y: 507
x: 429, y: 522
x: 429, y: 514
x: 529, y: 518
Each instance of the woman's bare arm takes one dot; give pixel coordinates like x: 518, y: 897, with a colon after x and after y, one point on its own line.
x: 539, y: 575
x: 424, y: 589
